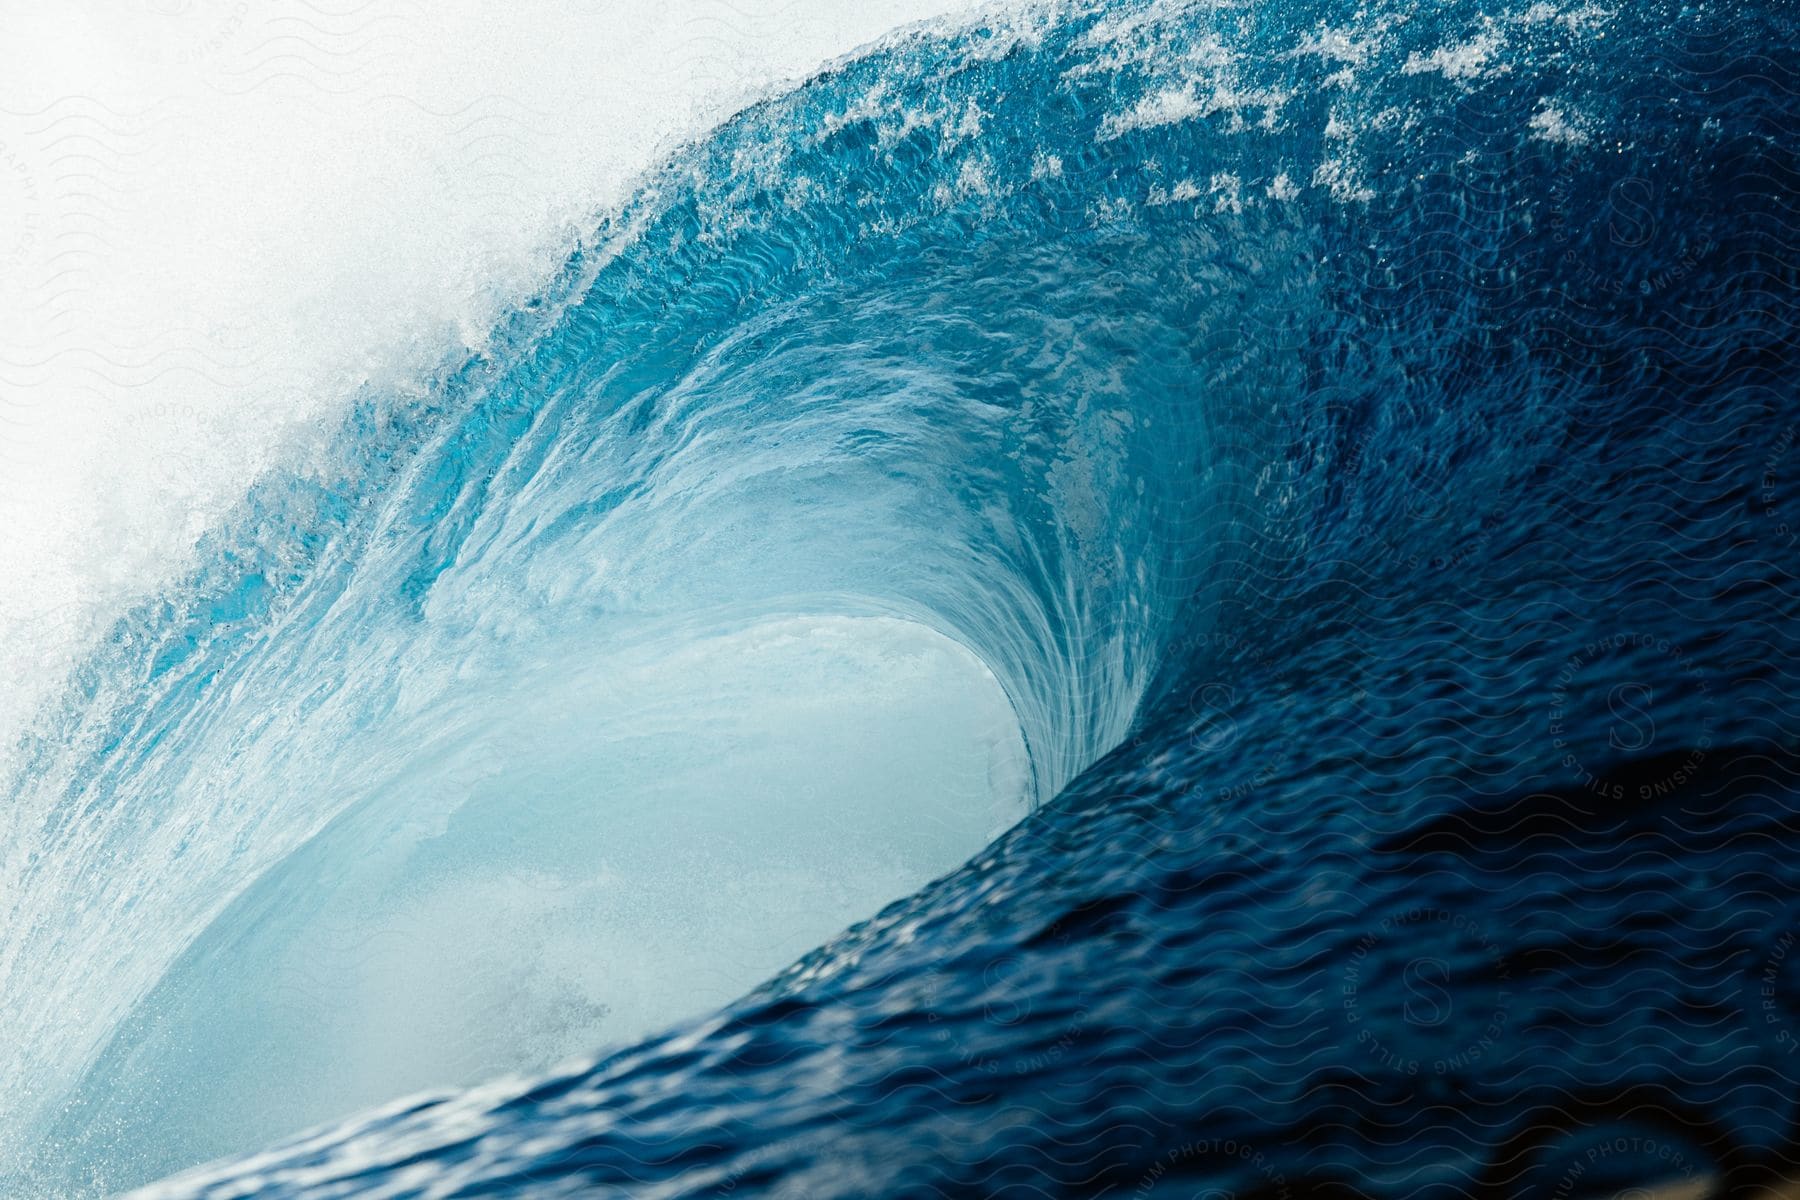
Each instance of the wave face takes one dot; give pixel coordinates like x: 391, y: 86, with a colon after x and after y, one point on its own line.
x: 1338, y: 461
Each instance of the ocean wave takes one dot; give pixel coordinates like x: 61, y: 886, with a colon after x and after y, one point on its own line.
x: 1338, y: 437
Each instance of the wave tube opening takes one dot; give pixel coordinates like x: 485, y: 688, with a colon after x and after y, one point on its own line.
x: 773, y: 562
x: 565, y: 859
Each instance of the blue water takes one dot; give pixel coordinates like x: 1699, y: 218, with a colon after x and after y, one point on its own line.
x: 1358, y: 441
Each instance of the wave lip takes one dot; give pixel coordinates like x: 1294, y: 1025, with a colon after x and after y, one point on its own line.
x: 690, y: 436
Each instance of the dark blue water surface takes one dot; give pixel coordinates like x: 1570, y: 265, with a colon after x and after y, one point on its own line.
x: 1381, y: 417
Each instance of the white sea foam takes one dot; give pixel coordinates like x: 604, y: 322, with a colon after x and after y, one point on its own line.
x: 219, y: 220
x: 1463, y: 62
x: 1551, y: 123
